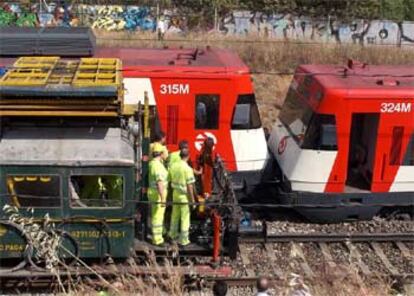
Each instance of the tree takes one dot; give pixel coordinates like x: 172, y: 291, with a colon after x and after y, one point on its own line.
x: 201, y: 12
x: 393, y: 10
x: 409, y: 10
x: 343, y: 9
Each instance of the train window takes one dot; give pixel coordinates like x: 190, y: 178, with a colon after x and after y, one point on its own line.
x: 409, y: 155
x: 296, y: 115
x: 97, y: 191
x: 321, y: 134
x: 246, y: 114
x: 34, y: 191
x: 207, y: 111
x: 396, y: 145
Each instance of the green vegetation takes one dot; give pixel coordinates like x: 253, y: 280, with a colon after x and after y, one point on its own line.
x: 397, y: 10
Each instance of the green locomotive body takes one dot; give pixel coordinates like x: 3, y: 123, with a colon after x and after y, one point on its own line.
x: 41, y: 175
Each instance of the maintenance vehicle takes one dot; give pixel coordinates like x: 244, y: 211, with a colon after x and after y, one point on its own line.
x: 68, y: 130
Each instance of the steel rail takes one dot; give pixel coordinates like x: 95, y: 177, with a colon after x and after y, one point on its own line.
x: 328, y: 237
x: 252, y: 281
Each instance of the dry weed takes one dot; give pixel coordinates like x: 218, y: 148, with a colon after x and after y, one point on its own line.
x: 151, y: 278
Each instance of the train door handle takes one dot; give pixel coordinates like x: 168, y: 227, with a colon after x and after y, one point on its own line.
x: 384, y: 158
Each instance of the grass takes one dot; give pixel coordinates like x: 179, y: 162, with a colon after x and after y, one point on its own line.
x: 263, y: 55
x: 163, y: 280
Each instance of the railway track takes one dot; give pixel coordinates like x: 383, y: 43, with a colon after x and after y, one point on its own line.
x: 278, y: 256
x: 372, y: 254
x: 330, y: 238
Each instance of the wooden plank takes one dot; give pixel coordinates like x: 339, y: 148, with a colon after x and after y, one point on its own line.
x: 304, y: 265
x: 404, y: 250
x: 354, y: 253
x: 380, y: 253
x: 327, y: 254
x: 272, y: 257
x: 244, y: 254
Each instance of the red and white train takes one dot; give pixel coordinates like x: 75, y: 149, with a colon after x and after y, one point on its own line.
x: 345, y: 136
x: 199, y: 93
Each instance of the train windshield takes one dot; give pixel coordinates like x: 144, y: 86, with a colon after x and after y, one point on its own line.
x: 321, y: 134
x: 34, y: 191
x: 296, y: 115
x: 246, y: 114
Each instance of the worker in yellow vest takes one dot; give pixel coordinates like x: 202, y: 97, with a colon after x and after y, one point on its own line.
x: 182, y: 182
x: 159, y: 144
x: 175, y: 156
x: 157, y: 194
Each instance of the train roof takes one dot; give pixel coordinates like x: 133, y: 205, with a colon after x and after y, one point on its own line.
x: 69, y: 146
x: 362, y: 76
x: 210, y: 60
x: 193, y: 59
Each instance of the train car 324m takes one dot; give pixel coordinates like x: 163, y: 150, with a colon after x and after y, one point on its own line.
x: 345, y: 136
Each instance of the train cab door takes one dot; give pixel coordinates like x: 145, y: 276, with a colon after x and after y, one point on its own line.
x: 362, y: 151
x: 395, y: 154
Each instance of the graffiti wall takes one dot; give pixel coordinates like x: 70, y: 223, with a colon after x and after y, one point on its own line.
x: 106, y: 17
x: 39, y: 14
x: 274, y: 26
x: 302, y: 28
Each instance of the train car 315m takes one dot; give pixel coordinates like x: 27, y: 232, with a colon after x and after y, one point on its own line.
x: 345, y: 136
x: 199, y: 93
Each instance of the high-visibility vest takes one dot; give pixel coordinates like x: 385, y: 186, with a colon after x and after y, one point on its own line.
x: 181, y: 175
x: 173, y: 158
x: 157, y: 173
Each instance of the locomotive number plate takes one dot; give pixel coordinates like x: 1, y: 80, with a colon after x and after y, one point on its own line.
x: 174, y: 89
x: 396, y: 107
